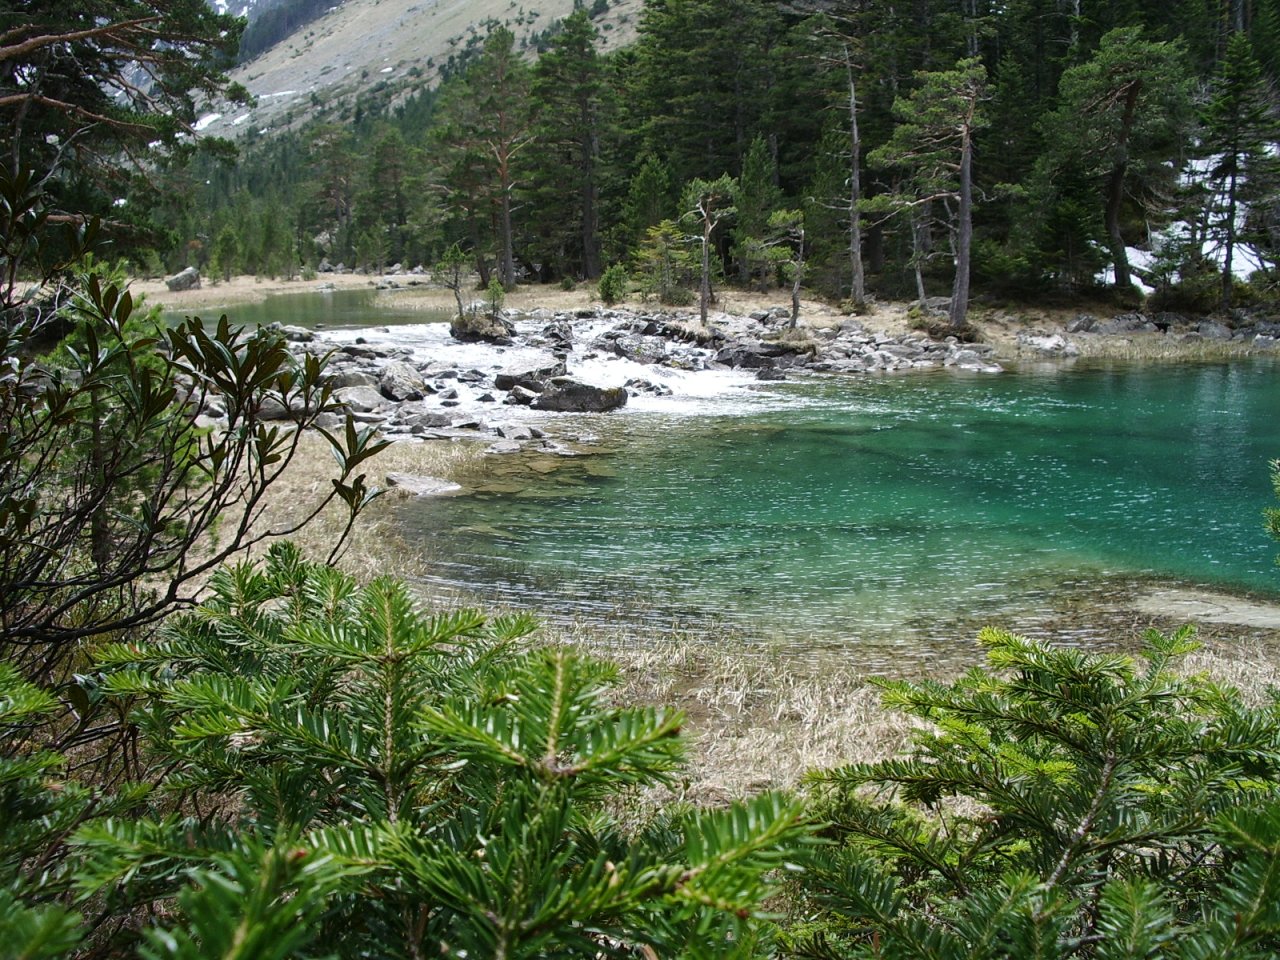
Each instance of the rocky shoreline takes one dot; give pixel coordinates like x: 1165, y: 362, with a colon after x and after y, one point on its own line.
x: 503, y: 379
x: 490, y: 378
x: 1081, y: 335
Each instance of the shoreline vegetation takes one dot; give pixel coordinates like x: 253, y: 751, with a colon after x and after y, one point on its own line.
x: 1006, y: 328
x: 758, y: 717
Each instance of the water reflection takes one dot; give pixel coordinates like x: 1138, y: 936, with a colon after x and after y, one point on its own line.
x: 334, y: 309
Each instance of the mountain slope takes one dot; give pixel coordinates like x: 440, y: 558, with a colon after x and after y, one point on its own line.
x: 392, y: 46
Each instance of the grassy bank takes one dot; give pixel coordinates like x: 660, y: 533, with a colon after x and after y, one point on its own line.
x: 375, y: 545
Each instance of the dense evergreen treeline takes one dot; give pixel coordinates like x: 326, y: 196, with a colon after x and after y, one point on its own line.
x: 273, y: 22
x: 1028, y: 145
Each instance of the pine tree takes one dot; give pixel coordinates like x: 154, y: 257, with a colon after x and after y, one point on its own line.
x: 568, y: 92
x: 1113, y: 809
x: 702, y: 77
x: 756, y: 198
x: 933, y: 145
x: 651, y: 198
x: 226, y: 256
x: 705, y: 205
x: 388, y: 781
x: 333, y: 185
x: 97, y: 94
x: 486, y: 126
x: 1238, y: 130
x: 1122, y: 123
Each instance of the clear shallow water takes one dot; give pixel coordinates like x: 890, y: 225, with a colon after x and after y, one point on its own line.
x: 336, y: 309
x: 885, y: 512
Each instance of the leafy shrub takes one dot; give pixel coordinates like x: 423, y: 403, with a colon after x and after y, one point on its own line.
x: 613, y: 284
x: 107, y: 483
x: 1060, y: 805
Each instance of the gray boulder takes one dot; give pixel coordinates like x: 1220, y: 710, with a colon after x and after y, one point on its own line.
x: 531, y: 378
x: 638, y: 386
x: 365, y: 351
x: 640, y: 349
x: 1212, y: 330
x: 294, y: 334
x: 1048, y: 345
x: 1126, y: 323
x: 361, y: 399
x: 401, y: 381
x: 565, y: 395
x: 416, y: 416
x: 750, y: 357
x: 514, y: 431
x: 560, y: 334
x: 521, y: 396
x: 188, y: 279
x: 272, y: 408
x: 971, y: 359
x: 351, y: 377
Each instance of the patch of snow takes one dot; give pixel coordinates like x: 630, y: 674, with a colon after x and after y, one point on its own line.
x: 282, y: 93
x: 205, y: 121
x: 387, y: 70
x: 240, y: 119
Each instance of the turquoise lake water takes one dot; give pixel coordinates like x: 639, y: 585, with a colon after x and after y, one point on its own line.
x: 891, y: 511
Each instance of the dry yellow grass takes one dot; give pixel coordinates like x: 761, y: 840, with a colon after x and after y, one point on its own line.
x: 1161, y: 348
x: 755, y: 719
x: 375, y: 546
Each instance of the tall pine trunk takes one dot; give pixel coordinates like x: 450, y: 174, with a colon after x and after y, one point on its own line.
x: 964, y: 236
x: 591, y: 261
x: 858, y: 283
x: 1229, y: 245
x: 507, y: 266
x: 1115, y: 187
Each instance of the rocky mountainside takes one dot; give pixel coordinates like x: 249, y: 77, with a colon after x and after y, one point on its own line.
x: 387, y: 48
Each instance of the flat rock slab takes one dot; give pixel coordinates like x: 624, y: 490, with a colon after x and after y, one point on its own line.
x: 421, y: 486
x: 1196, y: 607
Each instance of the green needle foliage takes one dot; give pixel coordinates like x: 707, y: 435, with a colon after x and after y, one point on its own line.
x: 1061, y: 804
x: 1271, y: 515
x: 406, y: 784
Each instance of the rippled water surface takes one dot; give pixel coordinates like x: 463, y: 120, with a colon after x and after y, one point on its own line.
x: 856, y: 510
